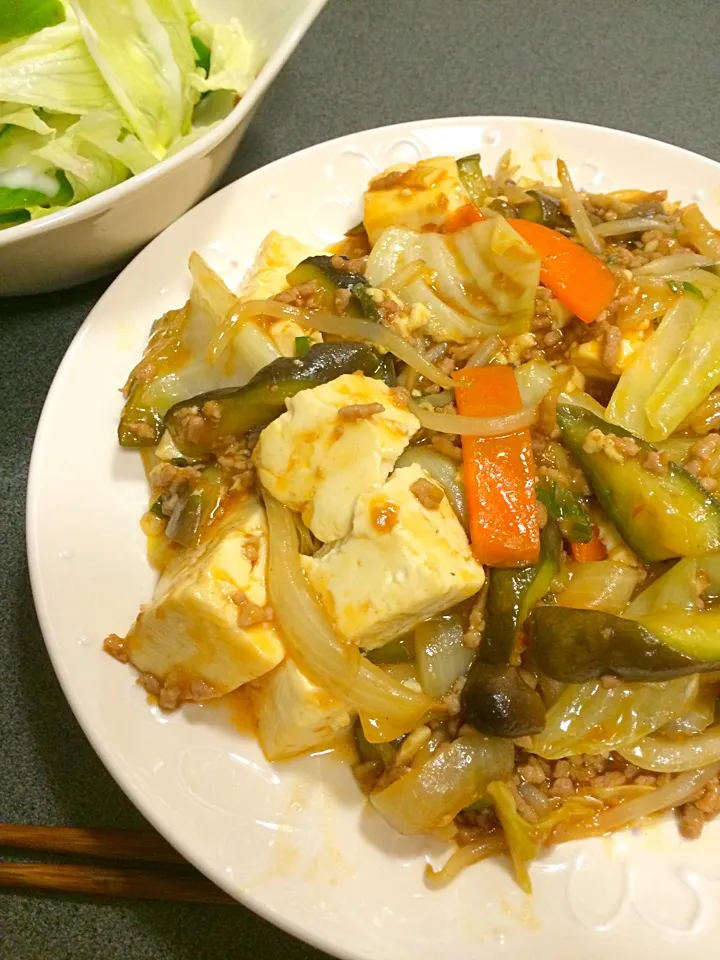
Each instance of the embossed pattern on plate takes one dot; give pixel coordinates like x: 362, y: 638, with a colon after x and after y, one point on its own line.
x: 294, y: 841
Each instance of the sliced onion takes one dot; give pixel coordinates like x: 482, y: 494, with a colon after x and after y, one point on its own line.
x: 491, y: 845
x: 618, y: 228
x: 485, y: 352
x: 473, y: 426
x: 587, y: 234
x: 673, y: 754
x: 442, y: 657
x: 676, y: 261
x: 442, y: 469
x: 700, y: 231
x: 353, y: 328
x: 457, y: 774
x: 334, y: 665
x: 599, y: 585
x: 672, y: 794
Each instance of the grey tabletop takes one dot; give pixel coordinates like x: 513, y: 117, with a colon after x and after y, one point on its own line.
x: 643, y: 65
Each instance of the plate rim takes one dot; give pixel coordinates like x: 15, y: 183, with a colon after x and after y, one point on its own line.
x: 250, y: 900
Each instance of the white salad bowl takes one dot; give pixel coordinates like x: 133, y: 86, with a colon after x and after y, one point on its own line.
x: 102, y: 233
x: 295, y: 841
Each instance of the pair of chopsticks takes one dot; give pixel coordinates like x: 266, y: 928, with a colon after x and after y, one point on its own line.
x: 150, y: 869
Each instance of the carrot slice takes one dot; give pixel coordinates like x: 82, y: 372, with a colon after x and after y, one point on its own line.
x: 580, y: 281
x: 587, y: 552
x: 462, y: 217
x: 499, y: 472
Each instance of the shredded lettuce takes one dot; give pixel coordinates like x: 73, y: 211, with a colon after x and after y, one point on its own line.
x: 144, y: 51
x: 234, y: 59
x: 107, y: 90
x: 53, y: 70
x: 20, y: 18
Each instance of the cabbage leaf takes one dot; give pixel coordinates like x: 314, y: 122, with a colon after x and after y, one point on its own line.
x: 639, y: 381
x: 481, y: 279
x: 590, y: 718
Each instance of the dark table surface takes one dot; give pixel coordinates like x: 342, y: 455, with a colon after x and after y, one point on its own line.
x: 640, y: 65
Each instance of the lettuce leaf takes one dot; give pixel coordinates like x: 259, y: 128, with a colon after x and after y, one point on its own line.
x: 235, y: 59
x: 20, y: 18
x: 88, y: 169
x: 107, y: 132
x: 145, y: 53
x: 52, y: 70
x: 19, y: 115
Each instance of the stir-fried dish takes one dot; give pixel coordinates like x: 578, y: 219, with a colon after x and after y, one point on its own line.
x: 449, y: 489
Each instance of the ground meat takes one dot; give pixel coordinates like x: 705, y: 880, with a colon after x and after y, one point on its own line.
x: 543, y: 316
x: 614, y: 447
x: 443, y: 443
x: 212, y: 411
x: 429, y: 494
x: 476, y: 622
x: 360, y: 411
x: 172, y: 691
x: 251, y: 549
x: 235, y: 457
x: 171, y: 483
x: 344, y: 265
x: 249, y: 613
x: 139, y: 429
x: 401, y: 398
x: 190, y: 424
x: 116, y: 647
x: 611, y: 346
x: 342, y: 299
x: 653, y: 463
x: 388, y: 180
x: 305, y: 296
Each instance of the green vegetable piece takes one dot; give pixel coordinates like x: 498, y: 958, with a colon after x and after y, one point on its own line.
x: 20, y: 18
x: 686, y: 287
x: 578, y: 645
x: 302, y: 345
x: 497, y: 701
x: 567, y: 509
x: 512, y: 594
x: 196, y: 510
x: 382, y: 753
x: 157, y: 508
x: 239, y: 409
x: 202, y: 54
x: 471, y: 177
x: 328, y: 280
x: 13, y: 218
x: 659, y: 515
x: 400, y: 650
x: 18, y: 198
x: 545, y: 210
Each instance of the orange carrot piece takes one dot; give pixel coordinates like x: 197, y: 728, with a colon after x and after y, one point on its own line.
x: 580, y: 281
x: 499, y: 472
x: 587, y: 552
x: 462, y: 217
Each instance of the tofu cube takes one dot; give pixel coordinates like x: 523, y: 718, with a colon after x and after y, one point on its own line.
x: 317, y: 459
x: 402, y: 563
x: 293, y: 714
x: 196, y: 636
x: 413, y: 196
x: 277, y: 256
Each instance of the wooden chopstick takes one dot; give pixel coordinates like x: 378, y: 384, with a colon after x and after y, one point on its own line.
x: 160, y: 873
x: 125, y: 882
x: 142, y: 846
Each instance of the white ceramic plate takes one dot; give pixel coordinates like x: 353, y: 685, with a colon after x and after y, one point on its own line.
x: 294, y: 841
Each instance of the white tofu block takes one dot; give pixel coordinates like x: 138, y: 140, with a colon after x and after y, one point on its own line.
x: 277, y: 256
x: 316, y: 462
x: 401, y: 564
x: 191, y: 630
x: 293, y: 714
